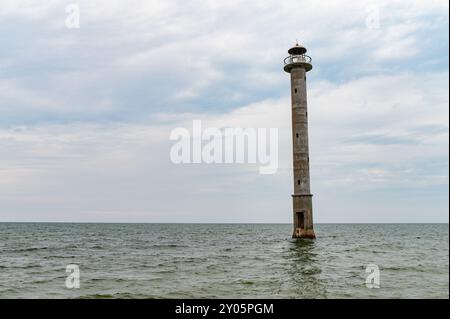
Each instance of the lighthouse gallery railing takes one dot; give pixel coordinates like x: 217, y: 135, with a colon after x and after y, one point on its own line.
x: 297, y: 59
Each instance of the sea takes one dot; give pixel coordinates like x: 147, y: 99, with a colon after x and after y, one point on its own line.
x: 69, y: 260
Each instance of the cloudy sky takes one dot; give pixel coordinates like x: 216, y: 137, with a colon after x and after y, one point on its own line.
x: 86, y: 113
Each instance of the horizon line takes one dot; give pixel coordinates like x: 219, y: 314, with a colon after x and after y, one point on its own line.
x: 216, y: 223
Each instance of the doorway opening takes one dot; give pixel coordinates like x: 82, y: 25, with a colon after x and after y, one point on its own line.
x: 301, y: 220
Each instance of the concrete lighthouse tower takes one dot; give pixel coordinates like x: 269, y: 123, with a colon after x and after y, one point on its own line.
x: 297, y: 64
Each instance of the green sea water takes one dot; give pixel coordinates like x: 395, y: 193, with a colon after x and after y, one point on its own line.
x: 223, y: 261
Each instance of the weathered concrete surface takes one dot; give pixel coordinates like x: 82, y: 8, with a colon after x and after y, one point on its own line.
x: 302, y: 197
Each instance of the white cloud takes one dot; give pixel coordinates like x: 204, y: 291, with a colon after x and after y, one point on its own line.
x: 85, y: 114
x: 95, y: 169
x: 184, y: 51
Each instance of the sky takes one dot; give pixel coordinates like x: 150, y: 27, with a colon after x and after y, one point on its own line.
x: 86, y: 112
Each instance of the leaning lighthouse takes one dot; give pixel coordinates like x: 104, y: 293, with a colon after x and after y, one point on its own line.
x: 297, y: 64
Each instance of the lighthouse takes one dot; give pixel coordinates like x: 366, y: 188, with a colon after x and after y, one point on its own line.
x: 298, y: 64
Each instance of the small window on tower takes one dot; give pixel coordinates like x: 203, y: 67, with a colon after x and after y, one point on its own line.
x: 296, y: 135
x: 295, y: 90
x: 298, y: 182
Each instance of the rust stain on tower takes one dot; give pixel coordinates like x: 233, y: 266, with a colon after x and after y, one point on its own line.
x: 297, y: 64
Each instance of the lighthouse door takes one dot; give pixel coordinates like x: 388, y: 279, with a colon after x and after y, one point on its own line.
x: 301, y: 220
